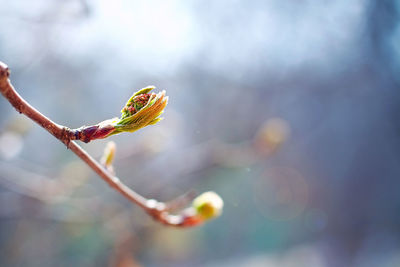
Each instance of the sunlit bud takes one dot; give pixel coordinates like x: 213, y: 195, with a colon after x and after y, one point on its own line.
x: 208, y: 205
x: 142, y: 109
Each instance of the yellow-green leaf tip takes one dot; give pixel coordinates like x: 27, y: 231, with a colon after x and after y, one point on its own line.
x: 108, y: 154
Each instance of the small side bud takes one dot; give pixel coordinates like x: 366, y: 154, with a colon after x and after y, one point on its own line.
x: 208, y: 205
x: 108, y: 155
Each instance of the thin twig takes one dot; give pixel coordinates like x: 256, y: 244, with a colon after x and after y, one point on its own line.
x: 158, y: 210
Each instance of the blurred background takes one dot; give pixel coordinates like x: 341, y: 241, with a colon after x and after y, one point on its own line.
x: 288, y: 109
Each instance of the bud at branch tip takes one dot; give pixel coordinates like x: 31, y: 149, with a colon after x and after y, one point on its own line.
x: 208, y: 205
x: 142, y: 109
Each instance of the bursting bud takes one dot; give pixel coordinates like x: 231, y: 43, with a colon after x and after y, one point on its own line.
x: 208, y: 205
x: 142, y: 109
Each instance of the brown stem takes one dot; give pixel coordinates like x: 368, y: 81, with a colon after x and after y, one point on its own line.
x: 24, y: 107
x: 156, y: 209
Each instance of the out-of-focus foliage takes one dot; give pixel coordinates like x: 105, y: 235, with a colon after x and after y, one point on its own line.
x: 288, y: 109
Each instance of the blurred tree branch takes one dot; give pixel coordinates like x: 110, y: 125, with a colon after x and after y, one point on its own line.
x: 158, y: 210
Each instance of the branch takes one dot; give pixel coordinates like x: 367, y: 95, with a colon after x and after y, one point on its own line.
x: 130, y: 121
